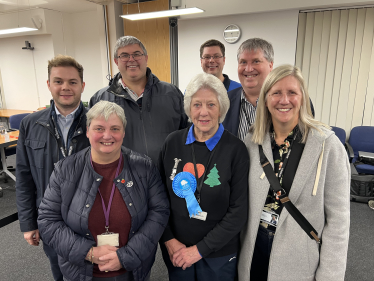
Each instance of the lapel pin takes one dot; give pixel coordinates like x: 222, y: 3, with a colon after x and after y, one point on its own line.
x: 129, y: 184
x: 122, y: 181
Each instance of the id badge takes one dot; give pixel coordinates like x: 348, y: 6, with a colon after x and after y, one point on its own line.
x: 200, y: 216
x: 269, y: 217
x: 111, y: 239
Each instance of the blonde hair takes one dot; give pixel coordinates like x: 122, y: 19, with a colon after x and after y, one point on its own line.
x: 263, y: 117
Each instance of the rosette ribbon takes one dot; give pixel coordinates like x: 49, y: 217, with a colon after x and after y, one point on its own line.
x: 184, y: 186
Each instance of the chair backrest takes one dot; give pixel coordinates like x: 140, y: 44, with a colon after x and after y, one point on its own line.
x: 340, y: 133
x: 362, y: 139
x: 15, y: 120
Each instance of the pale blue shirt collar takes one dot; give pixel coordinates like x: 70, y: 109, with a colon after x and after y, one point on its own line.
x: 210, y: 143
x: 70, y: 114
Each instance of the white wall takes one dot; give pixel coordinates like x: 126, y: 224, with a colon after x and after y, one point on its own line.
x: 87, y: 51
x: 24, y: 72
x: 279, y: 28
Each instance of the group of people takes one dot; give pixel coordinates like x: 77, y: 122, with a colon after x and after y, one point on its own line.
x: 234, y: 181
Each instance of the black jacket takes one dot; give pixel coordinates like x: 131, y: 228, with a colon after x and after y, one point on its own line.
x: 64, y: 212
x: 37, y: 154
x: 148, y: 126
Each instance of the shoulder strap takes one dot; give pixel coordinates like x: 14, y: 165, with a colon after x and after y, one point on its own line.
x: 286, y: 202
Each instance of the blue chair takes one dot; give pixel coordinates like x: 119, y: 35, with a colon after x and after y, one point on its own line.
x: 14, y: 123
x: 340, y: 133
x: 361, y: 139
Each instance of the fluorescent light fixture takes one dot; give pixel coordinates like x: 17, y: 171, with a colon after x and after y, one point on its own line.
x: 16, y: 30
x: 162, y: 14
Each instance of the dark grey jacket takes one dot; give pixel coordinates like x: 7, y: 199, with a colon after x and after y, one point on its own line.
x: 147, y: 127
x: 64, y: 212
x: 37, y: 152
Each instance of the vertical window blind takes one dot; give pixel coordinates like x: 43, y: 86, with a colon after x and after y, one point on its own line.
x: 335, y: 54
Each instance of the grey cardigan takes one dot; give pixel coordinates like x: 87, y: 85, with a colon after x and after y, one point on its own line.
x: 294, y: 256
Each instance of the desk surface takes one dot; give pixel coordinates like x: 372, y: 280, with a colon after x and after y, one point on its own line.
x: 9, y: 112
x: 13, y: 137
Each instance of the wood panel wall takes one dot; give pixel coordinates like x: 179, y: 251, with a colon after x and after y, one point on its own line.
x: 154, y: 34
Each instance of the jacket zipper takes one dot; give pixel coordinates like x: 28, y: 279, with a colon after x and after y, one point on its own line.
x: 141, y: 118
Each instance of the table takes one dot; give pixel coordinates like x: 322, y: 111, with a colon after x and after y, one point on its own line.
x: 13, y: 138
x: 9, y: 112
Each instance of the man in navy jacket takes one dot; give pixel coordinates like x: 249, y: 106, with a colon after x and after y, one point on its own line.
x: 212, y: 57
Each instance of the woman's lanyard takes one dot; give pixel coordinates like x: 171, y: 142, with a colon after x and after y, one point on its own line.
x: 280, y: 173
x: 200, y: 184
x: 107, y: 211
x: 61, y: 142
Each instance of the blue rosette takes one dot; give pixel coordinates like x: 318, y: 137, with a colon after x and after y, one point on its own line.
x: 184, y: 186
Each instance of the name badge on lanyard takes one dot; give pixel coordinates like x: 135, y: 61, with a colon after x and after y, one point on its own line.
x: 108, y: 238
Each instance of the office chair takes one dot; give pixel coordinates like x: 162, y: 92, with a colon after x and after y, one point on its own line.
x: 14, y: 123
x: 340, y: 133
x: 362, y: 183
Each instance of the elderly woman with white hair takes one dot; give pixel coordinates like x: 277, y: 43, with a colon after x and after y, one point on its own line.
x: 106, y: 207
x: 205, y: 170
x: 298, y: 220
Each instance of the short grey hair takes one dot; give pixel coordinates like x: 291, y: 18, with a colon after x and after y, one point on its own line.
x: 106, y: 109
x: 254, y: 44
x: 128, y: 40
x: 211, y: 82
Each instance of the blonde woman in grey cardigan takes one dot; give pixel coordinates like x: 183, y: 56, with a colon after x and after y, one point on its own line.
x: 312, y: 168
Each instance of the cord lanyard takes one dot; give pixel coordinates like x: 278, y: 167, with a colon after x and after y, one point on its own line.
x: 245, y: 112
x: 107, y: 211
x: 60, y: 142
x: 200, y: 185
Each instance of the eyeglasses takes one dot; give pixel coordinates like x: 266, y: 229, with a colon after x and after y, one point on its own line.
x: 208, y: 58
x: 126, y: 57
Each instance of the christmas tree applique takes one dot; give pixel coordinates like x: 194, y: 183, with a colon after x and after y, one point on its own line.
x: 213, y: 177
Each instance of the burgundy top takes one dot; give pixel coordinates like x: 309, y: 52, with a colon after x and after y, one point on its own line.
x: 119, y: 217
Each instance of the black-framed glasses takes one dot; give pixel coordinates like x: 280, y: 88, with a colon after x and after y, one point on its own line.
x: 126, y: 57
x: 208, y: 58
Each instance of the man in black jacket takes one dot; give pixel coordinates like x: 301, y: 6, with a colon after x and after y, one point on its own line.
x: 45, y: 138
x: 153, y: 108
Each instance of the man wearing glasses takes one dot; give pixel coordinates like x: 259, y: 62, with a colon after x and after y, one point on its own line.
x: 153, y: 108
x: 212, y: 57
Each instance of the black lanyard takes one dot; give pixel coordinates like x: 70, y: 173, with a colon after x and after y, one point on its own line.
x: 61, y: 142
x: 245, y: 112
x: 200, y: 184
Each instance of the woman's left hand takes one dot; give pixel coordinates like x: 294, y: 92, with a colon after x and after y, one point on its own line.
x: 186, y: 257
x: 112, y: 264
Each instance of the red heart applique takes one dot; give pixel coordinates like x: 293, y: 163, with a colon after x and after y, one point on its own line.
x: 189, y: 167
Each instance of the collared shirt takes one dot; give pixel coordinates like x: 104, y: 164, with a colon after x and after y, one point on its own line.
x: 132, y: 94
x: 64, y: 123
x: 210, y: 143
x: 246, y: 117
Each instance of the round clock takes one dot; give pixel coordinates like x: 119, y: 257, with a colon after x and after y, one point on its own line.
x: 232, y: 33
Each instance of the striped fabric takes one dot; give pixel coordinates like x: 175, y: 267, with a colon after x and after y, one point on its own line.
x: 246, y: 117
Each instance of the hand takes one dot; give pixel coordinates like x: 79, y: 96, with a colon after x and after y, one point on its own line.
x: 111, y: 262
x: 32, y: 237
x: 173, y: 245
x: 186, y: 257
x: 99, y: 252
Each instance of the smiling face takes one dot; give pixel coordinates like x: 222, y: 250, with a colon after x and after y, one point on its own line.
x: 66, y: 88
x: 132, y: 70
x: 213, y: 66
x: 205, y: 114
x: 253, y: 68
x: 284, y: 101
x: 106, y: 138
